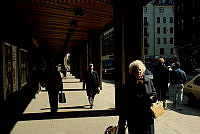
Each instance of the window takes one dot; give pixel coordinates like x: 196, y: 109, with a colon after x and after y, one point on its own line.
x: 162, y: 51
x: 145, y: 19
x: 158, y: 19
x: 164, y: 19
x: 145, y: 51
x: 145, y: 9
x: 171, y: 20
x: 171, y: 30
x: 158, y: 40
x: 158, y: 30
x: 145, y: 31
x: 161, y: 10
x: 165, y: 40
x: 171, y: 50
x: 171, y: 40
x: 23, y: 61
x: 164, y: 30
x: 197, y: 81
x: 145, y: 40
x: 108, y: 43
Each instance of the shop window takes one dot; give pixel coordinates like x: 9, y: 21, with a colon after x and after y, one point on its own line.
x: 23, y: 61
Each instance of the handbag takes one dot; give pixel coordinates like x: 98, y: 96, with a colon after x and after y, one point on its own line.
x: 157, y: 109
x: 112, y: 130
x: 115, y: 129
x: 61, y: 97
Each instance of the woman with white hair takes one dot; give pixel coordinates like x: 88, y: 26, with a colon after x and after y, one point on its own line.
x: 138, y: 94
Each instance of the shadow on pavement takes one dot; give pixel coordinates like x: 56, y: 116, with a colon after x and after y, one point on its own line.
x: 108, y: 81
x: 71, y: 82
x: 61, y: 115
x: 187, y: 110
x: 73, y: 89
x: 74, y: 107
x: 13, y: 108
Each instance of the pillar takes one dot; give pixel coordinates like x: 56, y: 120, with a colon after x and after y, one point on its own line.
x: 128, y: 32
x: 94, y: 51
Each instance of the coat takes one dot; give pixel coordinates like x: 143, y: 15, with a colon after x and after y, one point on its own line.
x: 53, y: 80
x: 91, y: 80
x: 135, y: 103
x: 161, y: 80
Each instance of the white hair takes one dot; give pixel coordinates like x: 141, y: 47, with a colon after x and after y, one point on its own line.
x: 137, y: 63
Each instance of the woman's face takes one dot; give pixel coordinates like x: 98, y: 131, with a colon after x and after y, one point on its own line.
x: 137, y: 72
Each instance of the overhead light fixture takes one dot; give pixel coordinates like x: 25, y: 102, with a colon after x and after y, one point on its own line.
x: 69, y: 35
x: 73, y: 23
x: 70, y: 30
x: 78, y: 11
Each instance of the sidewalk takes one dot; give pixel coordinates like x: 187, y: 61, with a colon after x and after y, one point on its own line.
x: 75, y: 117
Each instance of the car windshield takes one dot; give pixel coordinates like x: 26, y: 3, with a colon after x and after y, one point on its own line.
x: 197, y: 81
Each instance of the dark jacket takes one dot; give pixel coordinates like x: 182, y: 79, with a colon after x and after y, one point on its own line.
x: 53, y: 80
x: 135, y: 104
x: 91, y: 80
x: 161, y: 80
x: 161, y: 77
x: 178, y: 76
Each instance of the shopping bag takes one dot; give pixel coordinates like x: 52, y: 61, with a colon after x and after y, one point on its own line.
x: 157, y: 109
x: 61, y: 97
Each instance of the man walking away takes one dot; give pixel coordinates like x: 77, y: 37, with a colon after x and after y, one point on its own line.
x: 161, y: 80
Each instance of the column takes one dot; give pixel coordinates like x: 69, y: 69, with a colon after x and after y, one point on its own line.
x: 94, y: 51
x: 128, y: 32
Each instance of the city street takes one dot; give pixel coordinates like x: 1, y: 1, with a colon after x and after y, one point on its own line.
x: 75, y: 117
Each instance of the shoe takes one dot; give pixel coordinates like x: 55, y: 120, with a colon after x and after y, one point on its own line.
x: 91, y: 106
x: 54, y: 110
x: 179, y: 109
x: 164, y: 105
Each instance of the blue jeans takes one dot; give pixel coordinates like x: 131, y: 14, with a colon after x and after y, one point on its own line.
x: 178, y: 94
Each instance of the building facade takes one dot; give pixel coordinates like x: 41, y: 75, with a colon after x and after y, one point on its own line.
x: 158, y: 24
x: 187, y: 36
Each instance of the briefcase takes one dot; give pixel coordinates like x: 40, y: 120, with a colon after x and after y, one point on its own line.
x: 61, y: 97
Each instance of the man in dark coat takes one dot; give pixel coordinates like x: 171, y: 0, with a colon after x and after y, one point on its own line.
x: 91, y: 80
x: 161, y: 80
x: 53, y: 83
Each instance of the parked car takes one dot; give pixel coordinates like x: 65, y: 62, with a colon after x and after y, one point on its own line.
x: 192, y: 90
x: 197, y: 70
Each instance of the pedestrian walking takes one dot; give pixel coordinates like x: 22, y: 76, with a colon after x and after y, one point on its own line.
x: 137, y: 96
x: 161, y: 80
x: 177, y: 80
x: 53, y: 84
x: 91, y: 81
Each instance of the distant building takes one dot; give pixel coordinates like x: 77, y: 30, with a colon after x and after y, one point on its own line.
x: 158, y: 22
x: 187, y: 33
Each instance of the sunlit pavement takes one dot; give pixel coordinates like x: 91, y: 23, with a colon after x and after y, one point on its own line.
x: 75, y: 117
